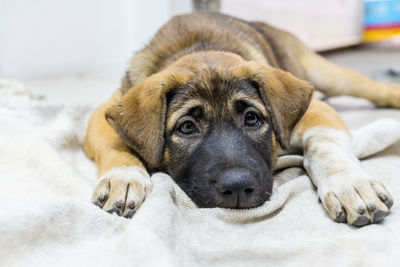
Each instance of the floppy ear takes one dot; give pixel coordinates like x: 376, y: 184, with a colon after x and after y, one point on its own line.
x: 285, y: 96
x: 139, y: 118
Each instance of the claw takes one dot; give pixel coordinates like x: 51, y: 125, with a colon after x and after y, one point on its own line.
x: 361, y: 221
x: 361, y: 210
x: 371, y: 207
x: 388, y: 202
x: 378, y: 215
x: 129, y: 214
x: 341, y: 217
x: 98, y: 203
x: 119, y: 204
x: 131, y: 205
x: 116, y: 210
x: 102, y: 198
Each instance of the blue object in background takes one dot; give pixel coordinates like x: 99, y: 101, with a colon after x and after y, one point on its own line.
x: 382, y: 12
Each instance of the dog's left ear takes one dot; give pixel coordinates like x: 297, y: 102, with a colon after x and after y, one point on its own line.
x: 285, y: 96
x: 139, y: 118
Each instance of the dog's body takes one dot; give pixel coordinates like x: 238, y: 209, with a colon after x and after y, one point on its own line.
x: 211, y: 99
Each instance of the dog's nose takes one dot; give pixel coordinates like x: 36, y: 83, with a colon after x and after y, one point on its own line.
x: 235, y: 188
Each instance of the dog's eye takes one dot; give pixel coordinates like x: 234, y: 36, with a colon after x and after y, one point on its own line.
x: 251, y: 119
x: 187, y: 128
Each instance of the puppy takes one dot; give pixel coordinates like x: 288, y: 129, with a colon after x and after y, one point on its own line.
x: 211, y: 100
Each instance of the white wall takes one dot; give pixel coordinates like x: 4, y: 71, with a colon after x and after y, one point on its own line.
x: 50, y: 37
x: 321, y: 24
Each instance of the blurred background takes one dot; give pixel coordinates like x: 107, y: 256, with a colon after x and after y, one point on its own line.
x: 77, y: 51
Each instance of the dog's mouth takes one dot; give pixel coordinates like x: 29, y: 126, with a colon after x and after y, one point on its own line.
x: 231, y: 202
x: 235, y: 189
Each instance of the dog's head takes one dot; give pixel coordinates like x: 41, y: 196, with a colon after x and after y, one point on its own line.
x: 213, y: 122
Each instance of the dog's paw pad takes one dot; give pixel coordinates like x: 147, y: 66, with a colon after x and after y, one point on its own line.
x: 122, y: 190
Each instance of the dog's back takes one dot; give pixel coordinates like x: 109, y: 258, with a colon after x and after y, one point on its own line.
x: 186, y: 34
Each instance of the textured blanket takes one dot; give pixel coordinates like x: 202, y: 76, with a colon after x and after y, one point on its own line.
x: 47, y: 219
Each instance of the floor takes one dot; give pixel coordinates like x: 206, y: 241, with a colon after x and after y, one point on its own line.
x: 95, y: 88
x: 369, y: 60
x: 90, y: 88
x: 375, y: 62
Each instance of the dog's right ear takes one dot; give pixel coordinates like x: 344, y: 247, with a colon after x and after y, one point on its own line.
x: 139, y: 118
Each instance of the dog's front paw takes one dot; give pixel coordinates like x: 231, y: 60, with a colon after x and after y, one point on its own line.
x: 357, y: 201
x: 122, y: 190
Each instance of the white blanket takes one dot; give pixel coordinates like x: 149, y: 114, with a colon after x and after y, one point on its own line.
x: 47, y: 219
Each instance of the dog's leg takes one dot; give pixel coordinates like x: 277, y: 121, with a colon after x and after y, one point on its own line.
x: 346, y: 190
x: 124, y: 182
x: 334, y: 80
x: 326, y: 76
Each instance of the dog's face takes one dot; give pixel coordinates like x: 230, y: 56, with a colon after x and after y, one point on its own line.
x: 214, y: 124
x: 219, y: 142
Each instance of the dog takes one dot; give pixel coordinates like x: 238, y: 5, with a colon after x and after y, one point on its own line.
x: 212, y: 100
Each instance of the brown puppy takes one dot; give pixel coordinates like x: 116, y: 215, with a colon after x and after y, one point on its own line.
x: 210, y: 100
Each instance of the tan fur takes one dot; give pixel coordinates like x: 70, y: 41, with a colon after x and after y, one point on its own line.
x: 331, y: 171
x: 103, y: 145
x: 319, y: 114
x: 333, y: 205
